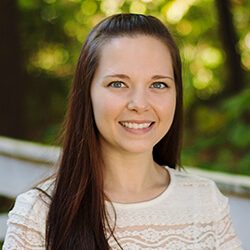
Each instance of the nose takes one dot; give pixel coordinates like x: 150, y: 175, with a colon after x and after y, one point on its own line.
x: 138, y: 101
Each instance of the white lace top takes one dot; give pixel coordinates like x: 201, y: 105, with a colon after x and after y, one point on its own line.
x: 190, y: 214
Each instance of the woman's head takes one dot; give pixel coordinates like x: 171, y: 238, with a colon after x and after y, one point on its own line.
x: 77, y: 215
x: 166, y: 151
x: 133, y: 95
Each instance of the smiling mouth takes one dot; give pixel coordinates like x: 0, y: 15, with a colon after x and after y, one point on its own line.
x: 134, y: 125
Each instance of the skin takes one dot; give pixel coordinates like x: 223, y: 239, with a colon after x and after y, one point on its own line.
x: 133, y: 87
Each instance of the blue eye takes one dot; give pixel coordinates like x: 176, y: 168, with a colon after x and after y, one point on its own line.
x: 159, y: 85
x: 117, y: 84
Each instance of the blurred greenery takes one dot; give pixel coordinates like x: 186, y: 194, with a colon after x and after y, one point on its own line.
x: 222, y: 138
x: 217, y: 134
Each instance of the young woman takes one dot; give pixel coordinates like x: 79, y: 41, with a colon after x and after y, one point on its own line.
x: 118, y: 185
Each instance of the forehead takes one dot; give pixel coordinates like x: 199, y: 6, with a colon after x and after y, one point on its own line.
x: 140, y: 53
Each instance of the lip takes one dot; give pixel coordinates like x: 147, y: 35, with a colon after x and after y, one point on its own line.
x: 136, y: 130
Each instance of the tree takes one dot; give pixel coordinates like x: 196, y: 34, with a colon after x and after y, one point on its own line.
x: 235, y: 74
x: 11, y: 71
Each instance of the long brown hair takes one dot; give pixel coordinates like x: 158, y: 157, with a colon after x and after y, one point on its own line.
x: 77, y: 218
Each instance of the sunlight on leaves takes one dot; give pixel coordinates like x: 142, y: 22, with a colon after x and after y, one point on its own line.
x: 81, y: 18
x: 75, y: 1
x: 110, y: 7
x: 245, y: 48
x: 50, y: 57
x: 245, y: 59
x: 177, y: 9
x: 81, y: 34
x: 211, y: 57
x: 137, y: 7
x: 70, y: 28
x: 88, y: 8
x: 247, y: 40
x: 184, y: 27
x: 189, y: 52
x: 96, y: 19
x: 202, y: 78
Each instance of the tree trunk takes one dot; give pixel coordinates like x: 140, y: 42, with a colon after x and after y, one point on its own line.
x: 234, y: 81
x: 11, y: 72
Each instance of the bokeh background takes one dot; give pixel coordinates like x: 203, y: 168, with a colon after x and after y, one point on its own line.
x: 40, y: 42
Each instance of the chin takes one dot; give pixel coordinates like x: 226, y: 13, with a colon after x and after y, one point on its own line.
x: 137, y: 149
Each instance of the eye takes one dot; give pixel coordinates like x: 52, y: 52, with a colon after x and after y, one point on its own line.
x: 159, y: 85
x: 117, y: 84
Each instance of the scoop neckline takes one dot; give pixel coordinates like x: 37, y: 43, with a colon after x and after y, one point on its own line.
x: 148, y: 203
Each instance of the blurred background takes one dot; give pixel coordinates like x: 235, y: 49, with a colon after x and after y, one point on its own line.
x: 40, y: 43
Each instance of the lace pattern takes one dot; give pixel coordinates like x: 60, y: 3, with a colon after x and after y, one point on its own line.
x: 193, y: 215
x: 190, y: 214
x: 218, y: 235
x: 26, y: 223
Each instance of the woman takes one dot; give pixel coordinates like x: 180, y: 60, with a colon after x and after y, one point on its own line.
x: 118, y: 185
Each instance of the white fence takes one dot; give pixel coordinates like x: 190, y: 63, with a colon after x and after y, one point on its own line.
x: 23, y: 164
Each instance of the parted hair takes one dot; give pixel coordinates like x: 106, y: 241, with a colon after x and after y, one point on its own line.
x: 77, y: 217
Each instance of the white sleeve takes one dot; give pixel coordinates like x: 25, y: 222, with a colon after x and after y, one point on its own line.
x: 26, y: 223
x: 226, y: 237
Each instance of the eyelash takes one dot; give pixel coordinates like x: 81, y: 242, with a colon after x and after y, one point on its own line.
x: 162, y: 84
x: 112, y: 84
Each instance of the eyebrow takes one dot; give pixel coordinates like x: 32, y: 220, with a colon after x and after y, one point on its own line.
x: 155, y: 77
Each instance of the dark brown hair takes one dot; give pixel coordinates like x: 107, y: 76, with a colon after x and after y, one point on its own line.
x: 77, y: 218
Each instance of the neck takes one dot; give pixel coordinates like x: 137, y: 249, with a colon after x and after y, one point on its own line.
x: 130, y: 177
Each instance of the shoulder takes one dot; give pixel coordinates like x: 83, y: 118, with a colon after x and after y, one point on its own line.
x: 198, y: 189
x: 31, y: 207
x: 186, y: 179
x: 183, y: 177
x: 27, y: 219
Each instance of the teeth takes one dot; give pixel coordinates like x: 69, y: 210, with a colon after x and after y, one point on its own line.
x: 136, y: 125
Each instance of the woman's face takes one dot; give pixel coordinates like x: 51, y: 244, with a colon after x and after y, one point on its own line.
x: 133, y: 94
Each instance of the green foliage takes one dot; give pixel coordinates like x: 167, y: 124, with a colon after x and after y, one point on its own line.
x: 223, y: 140
x: 216, y: 136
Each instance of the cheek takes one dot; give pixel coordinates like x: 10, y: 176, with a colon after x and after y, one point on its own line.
x: 105, y: 109
x: 99, y: 116
x: 166, y: 107
x: 99, y: 110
